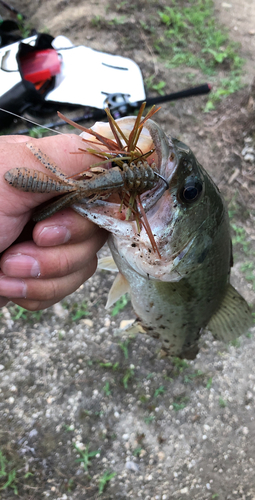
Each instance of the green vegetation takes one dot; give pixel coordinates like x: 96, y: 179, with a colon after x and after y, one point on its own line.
x: 159, y: 391
x: 106, y: 389
x: 85, y: 456
x: 137, y: 451
x: 108, y: 364
x: 18, y: 312
x: 120, y: 304
x: 222, y: 402
x: 240, y: 238
x: 209, y: 383
x: 191, y: 376
x: 248, y: 269
x: 38, y: 132
x: 180, y: 402
x: 24, y: 26
x: 124, y: 347
x: 107, y: 476
x: 179, y: 366
x: 129, y: 374
x: 193, y: 38
x: 78, y: 311
x: 158, y: 87
x: 7, y: 475
x: 149, y: 419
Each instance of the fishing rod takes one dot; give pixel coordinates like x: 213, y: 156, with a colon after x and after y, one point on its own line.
x: 120, y: 105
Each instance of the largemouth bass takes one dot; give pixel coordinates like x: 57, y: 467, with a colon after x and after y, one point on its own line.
x: 176, y: 296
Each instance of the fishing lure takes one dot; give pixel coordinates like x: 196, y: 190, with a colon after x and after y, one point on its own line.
x: 123, y: 169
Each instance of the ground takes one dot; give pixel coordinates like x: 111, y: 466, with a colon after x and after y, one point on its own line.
x: 146, y: 427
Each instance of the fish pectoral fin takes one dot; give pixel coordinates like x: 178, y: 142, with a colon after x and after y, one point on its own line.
x: 232, y: 319
x: 119, y: 287
x: 107, y: 263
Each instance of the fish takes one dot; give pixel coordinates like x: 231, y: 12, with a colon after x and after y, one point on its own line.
x: 185, y: 287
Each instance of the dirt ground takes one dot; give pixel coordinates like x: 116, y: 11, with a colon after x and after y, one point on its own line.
x: 166, y: 430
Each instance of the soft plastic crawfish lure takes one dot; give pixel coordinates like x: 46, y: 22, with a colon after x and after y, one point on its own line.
x: 126, y: 172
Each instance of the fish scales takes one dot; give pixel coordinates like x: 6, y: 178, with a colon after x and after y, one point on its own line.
x: 177, y: 296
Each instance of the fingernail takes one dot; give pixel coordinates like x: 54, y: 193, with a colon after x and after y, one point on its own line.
x: 53, y: 235
x: 21, y: 266
x: 12, y: 288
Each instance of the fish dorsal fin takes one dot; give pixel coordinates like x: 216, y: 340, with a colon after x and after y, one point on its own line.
x: 232, y: 319
x: 119, y: 287
x: 107, y: 263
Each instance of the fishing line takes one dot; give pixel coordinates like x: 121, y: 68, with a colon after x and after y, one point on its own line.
x: 31, y: 121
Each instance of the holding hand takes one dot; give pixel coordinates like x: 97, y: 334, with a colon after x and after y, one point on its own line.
x: 38, y: 272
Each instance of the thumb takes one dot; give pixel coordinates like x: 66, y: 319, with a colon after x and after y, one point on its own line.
x: 16, y: 206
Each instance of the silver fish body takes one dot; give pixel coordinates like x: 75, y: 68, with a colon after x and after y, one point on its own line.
x: 177, y: 295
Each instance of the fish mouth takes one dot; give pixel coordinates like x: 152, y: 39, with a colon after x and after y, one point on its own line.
x: 133, y: 244
x: 152, y: 139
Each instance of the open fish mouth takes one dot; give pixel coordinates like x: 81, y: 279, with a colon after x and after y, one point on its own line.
x: 151, y: 143
x: 135, y: 246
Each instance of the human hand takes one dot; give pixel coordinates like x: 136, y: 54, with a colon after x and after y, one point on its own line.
x: 39, y: 271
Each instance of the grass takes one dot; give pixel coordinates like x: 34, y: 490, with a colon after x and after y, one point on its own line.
x: 8, y: 477
x: 240, y: 238
x: 124, y: 347
x: 150, y: 419
x: 128, y: 375
x: 136, y: 452
x: 180, y: 402
x: 193, y: 36
x: 78, y: 311
x: 106, y: 389
x: 107, y: 476
x: 248, y: 269
x: 85, y: 456
x: 119, y: 305
x: 18, y: 312
x: 222, y: 402
x: 187, y: 33
x: 110, y: 365
x: 38, y: 132
x: 179, y: 365
x: 160, y: 390
x: 209, y: 383
x: 191, y: 376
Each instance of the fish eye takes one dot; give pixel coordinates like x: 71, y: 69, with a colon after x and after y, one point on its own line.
x: 191, y: 190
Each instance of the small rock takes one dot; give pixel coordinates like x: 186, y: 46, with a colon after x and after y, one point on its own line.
x: 60, y: 311
x: 80, y: 445
x: 33, y: 433
x: 249, y: 157
x: 184, y: 491
x: 87, y: 322
x: 107, y: 322
x: 132, y: 466
x: 161, y: 455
